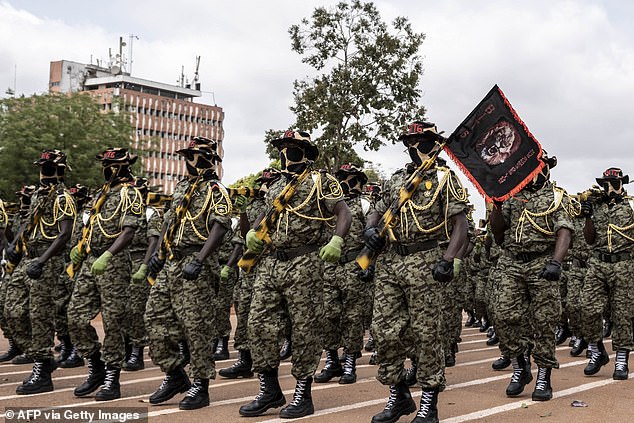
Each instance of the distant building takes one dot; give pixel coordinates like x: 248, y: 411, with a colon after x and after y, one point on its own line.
x: 162, y: 112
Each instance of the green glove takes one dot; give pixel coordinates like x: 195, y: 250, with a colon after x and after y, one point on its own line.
x: 331, y: 252
x: 76, y: 257
x: 226, y: 272
x: 99, y: 266
x: 457, y: 265
x: 140, y: 275
x: 254, y: 243
x: 240, y: 203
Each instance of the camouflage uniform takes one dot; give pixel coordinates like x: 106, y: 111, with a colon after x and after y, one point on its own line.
x: 107, y: 293
x: 608, y: 278
x: 4, y: 224
x: 224, y: 299
x: 30, y: 304
x: 528, y: 307
x: 296, y: 280
x: 407, y: 299
x: 576, y: 271
x: 344, y: 298
x: 180, y: 309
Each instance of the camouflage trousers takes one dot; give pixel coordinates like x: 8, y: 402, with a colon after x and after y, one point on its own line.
x: 138, y: 293
x: 242, y: 300
x: 30, y: 307
x: 108, y: 294
x: 3, y: 296
x: 63, y: 292
x: 343, y: 307
x: 482, y: 294
x: 451, y: 311
x: 563, y: 295
x: 609, y: 283
x: 527, y: 309
x: 469, y: 275
x: 407, y: 317
x: 179, y: 309
x: 574, y: 307
x: 296, y: 284
x: 493, y: 289
x: 222, y: 306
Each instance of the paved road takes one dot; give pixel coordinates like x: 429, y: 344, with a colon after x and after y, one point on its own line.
x: 474, y: 393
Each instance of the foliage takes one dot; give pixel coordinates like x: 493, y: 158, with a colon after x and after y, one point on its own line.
x: 367, y: 83
x: 73, y: 123
x: 249, y: 180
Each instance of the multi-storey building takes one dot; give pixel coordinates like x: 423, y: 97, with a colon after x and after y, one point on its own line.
x: 165, y: 117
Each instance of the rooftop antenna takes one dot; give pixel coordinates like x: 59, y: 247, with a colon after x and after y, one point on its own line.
x: 131, y: 38
x: 195, y: 82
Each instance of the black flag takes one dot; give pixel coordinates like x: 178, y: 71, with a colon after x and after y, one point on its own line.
x: 495, y: 149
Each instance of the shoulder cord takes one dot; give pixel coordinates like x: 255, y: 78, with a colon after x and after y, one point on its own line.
x: 315, y: 190
x: 619, y: 230
x: 3, y: 214
x: 221, y: 208
x: 125, y: 204
x: 58, y: 213
x: 529, y: 216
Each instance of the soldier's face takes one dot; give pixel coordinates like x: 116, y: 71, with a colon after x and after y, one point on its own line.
x: 419, y: 149
x: 613, y: 188
x: 351, y: 183
x: 293, y: 158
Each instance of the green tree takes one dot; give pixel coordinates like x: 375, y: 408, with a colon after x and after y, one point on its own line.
x: 73, y: 123
x: 366, y: 86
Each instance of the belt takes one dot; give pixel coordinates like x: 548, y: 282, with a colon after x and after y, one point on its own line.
x: 566, y: 265
x: 350, y: 255
x: 579, y: 263
x: 528, y: 256
x: 291, y: 253
x: 407, y: 249
x: 180, y: 253
x: 613, y: 257
x: 34, y: 252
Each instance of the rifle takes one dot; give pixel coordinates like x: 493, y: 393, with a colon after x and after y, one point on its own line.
x: 367, y: 256
x: 263, y: 230
x: 168, y: 236
x: 20, y: 243
x: 82, y: 246
x: 245, y: 191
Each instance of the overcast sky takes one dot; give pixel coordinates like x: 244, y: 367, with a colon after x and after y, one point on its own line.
x: 566, y: 66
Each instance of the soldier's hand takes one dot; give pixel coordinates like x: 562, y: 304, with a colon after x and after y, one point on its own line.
x: 457, y: 266
x: 366, y: 275
x: 12, y: 255
x: 373, y: 239
x: 140, y: 275
x: 586, y: 209
x: 155, y: 264
x: 34, y: 269
x: 254, y: 243
x: 226, y: 272
x: 192, y: 270
x: 99, y: 266
x: 331, y: 252
x: 551, y: 270
x: 76, y: 257
x: 240, y: 203
x: 443, y: 270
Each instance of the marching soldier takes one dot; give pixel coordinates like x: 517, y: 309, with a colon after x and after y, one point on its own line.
x: 103, y: 279
x: 292, y: 272
x: 344, y: 292
x: 37, y: 253
x: 534, y: 229
x: 179, y: 306
x: 609, y: 229
x: 409, y: 275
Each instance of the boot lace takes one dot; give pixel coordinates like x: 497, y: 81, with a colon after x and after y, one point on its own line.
x: 425, y: 404
x: 348, y: 367
x: 595, y: 356
x: 517, y: 371
x: 542, y: 381
x: 392, y: 399
x: 37, y: 371
x: 109, y: 380
x: 194, y: 389
x: 331, y: 360
x: 621, y: 361
x: 298, y: 396
x: 262, y: 387
x: 166, y: 381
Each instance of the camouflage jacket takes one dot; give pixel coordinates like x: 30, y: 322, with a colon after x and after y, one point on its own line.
x: 53, y: 205
x: 148, y: 227
x: 614, y: 225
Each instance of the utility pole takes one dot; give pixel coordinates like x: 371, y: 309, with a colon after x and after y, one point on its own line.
x: 131, y: 38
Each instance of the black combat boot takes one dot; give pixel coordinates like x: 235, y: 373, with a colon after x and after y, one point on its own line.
x: 270, y: 396
x: 302, y: 404
x: 183, y: 352
x: 135, y: 361
x: 607, y: 329
x: 490, y: 331
x: 493, y: 340
x: 579, y: 347
x: 66, y: 350
x: 11, y: 353
x: 349, y: 370
x: 450, y: 358
x: 287, y: 349
x: 620, y: 364
x: 40, y: 379
x: 410, y: 374
x: 222, y: 350
x: 470, y: 320
x: 562, y: 333
x: 331, y: 369
x: 342, y: 357
x: 520, y: 378
x: 599, y: 357
x: 96, y: 376
x: 241, y: 368
x: 372, y: 361
x: 110, y: 390
x: 22, y: 359
x: 73, y: 360
x: 543, y: 391
x: 369, y: 346
x: 197, y: 396
x: 428, y: 410
x: 175, y: 382
x: 484, y: 325
x: 501, y: 363
x: 400, y: 403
